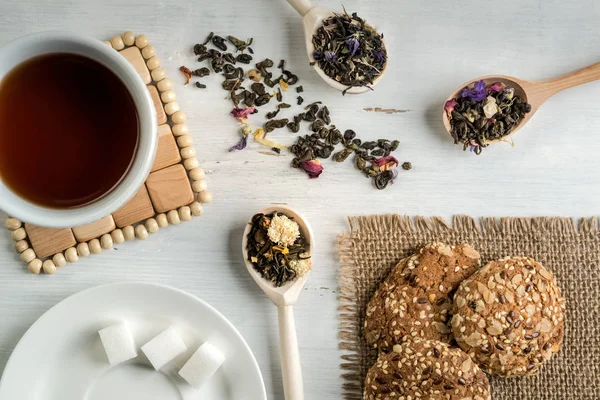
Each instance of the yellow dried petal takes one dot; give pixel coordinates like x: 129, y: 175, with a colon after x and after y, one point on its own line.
x: 266, y: 142
x: 283, y: 84
x: 283, y: 250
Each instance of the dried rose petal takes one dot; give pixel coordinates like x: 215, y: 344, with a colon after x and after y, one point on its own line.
x: 187, y: 73
x: 386, y: 163
x: 496, y: 88
x: 313, y: 168
x: 242, y: 113
x: 449, y: 107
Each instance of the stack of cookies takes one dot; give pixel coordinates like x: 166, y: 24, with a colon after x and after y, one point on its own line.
x: 507, y: 318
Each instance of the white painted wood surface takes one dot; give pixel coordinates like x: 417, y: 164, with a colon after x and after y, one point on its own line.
x: 435, y: 45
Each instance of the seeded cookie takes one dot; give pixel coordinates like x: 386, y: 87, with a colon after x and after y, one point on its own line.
x: 414, y: 300
x: 425, y: 369
x: 509, y: 316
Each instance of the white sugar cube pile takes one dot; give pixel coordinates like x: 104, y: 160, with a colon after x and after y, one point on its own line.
x: 118, y: 343
x: 164, y: 348
x: 202, y: 365
x: 120, y: 346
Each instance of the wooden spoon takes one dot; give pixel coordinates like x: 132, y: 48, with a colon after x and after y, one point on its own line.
x: 313, y: 19
x: 534, y: 93
x: 284, y: 298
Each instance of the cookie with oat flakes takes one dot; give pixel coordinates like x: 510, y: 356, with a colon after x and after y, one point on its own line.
x: 510, y: 316
x: 425, y: 369
x: 415, y: 299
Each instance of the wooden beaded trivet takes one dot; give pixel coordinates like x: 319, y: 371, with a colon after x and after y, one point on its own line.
x: 169, y: 196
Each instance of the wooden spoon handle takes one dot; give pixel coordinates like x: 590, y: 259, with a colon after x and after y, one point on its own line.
x: 291, y: 369
x: 546, y: 89
x: 302, y: 6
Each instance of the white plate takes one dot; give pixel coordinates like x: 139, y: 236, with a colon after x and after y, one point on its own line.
x: 61, y: 356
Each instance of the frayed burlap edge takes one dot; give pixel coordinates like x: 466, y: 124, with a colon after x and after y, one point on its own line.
x: 350, y: 334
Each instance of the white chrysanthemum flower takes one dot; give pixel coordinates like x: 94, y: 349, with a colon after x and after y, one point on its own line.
x: 283, y: 230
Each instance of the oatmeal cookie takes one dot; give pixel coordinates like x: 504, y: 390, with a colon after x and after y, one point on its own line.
x: 509, y: 316
x: 425, y: 369
x: 414, y: 300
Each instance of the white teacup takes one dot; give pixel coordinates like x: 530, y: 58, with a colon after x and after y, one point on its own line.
x: 31, y: 46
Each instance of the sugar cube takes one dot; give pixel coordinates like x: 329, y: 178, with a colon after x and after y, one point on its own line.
x: 164, y: 348
x: 118, y: 343
x: 202, y: 365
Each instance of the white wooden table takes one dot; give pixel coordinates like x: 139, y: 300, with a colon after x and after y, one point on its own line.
x: 434, y: 46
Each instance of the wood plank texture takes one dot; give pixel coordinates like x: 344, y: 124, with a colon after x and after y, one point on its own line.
x: 135, y: 210
x: 161, y: 116
x: 134, y: 56
x: 169, y: 188
x: 167, y: 153
x: 49, y: 241
x: 94, y: 230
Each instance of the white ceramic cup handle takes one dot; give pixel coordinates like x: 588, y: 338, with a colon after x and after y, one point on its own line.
x: 289, y: 355
x: 302, y: 6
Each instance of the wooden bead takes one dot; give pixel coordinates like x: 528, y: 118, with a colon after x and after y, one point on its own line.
x: 158, y: 74
x: 179, y: 117
x: 71, y: 254
x: 59, y: 260
x: 151, y: 225
x: 185, y: 214
x: 153, y: 63
x: 12, y: 224
x: 148, y: 52
x: 95, y: 246
x: 191, y: 163
x: 172, y: 107
x: 196, y: 209
x: 142, y: 41
x: 180, y: 129
x: 49, y: 267
x: 35, y: 266
x: 129, y: 38
x: 188, y: 152
x: 199, y: 186
x: 173, y: 217
x: 162, y: 221
x: 205, y: 197
x: 106, y: 241
x: 141, y: 232
x: 168, y: 96
x: 108, y: 43
x: 196, y: 174
x: 129, y: 233
x: 28, y: 255
x: 185, y: 141
x: 117, y: 236
x: 21, y: 246
x: 117, y: 43
x: 164, y: 85
x: 83, y: 250
x: 18, y: 234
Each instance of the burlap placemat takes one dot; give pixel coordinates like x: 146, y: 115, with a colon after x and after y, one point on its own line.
x: 375, y: 244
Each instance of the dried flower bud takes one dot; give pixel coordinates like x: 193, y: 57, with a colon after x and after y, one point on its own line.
x: 255, y: 75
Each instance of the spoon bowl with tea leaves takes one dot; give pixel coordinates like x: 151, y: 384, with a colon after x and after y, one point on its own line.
x: 313, y: 18
x: 533, y: 93
x: 284, y: 297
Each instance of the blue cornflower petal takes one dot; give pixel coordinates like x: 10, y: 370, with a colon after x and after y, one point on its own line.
x: 352, y: 44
